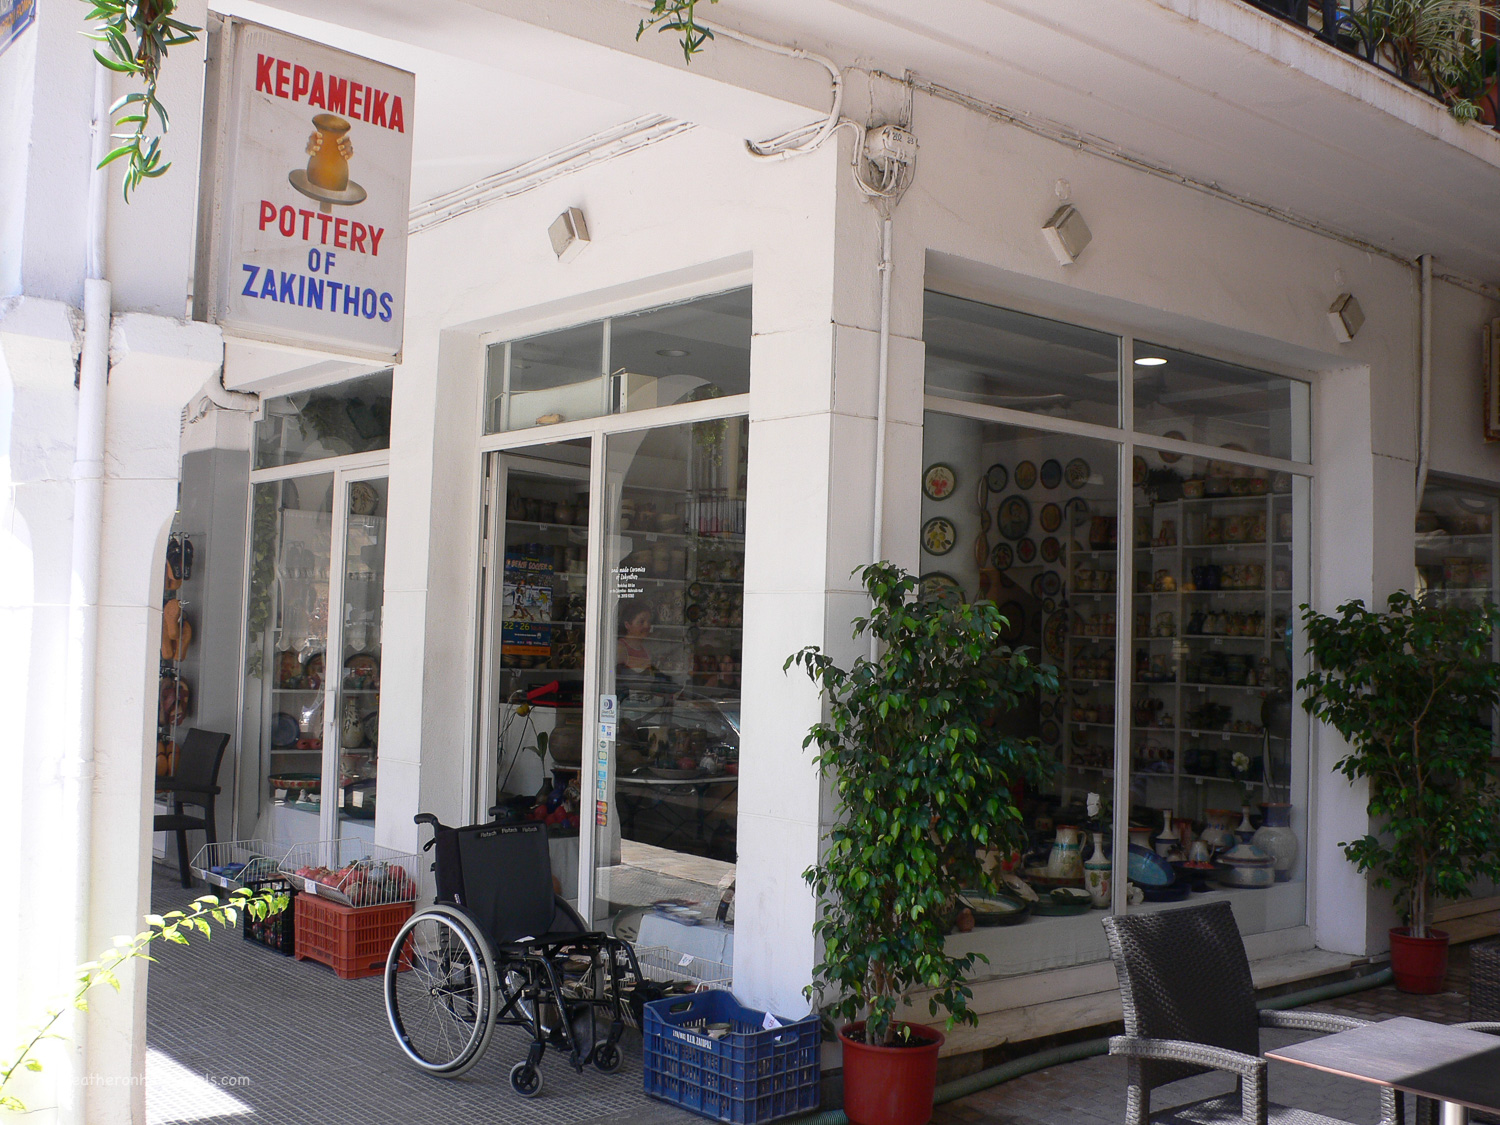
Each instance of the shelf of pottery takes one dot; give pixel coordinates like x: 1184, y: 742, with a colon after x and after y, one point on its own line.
x: 1212, y: 604
x: 1456, y: 547
x: 179, y: 658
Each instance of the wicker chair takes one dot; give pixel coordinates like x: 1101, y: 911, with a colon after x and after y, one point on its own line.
x: 1190, y: 1008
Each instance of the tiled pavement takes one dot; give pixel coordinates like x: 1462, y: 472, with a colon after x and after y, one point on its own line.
x: 238, y: 1035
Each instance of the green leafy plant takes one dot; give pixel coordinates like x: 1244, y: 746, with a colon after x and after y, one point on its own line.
x: 138, y: 34
x: 679, y: 16
x: 174, y: 926
x: 1409, y: 690
x: 1437, y: 42
x: 923, y: 777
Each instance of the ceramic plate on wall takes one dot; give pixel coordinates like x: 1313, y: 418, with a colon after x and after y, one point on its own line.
x: 935, y: 586
x: 938, y: 482
x: 1054, y: 635
x: 1050, y: 517
x: 997, y: 476
x: 1051, y: 583
x: 1003, y: 556
x: 1015, y: 622
x: 1025, y: 474
x: 1172, y: 458
x: 1036, y: 586
x: 1077, y: 473
x: 1052, y: 473
x: 1138, y: 470
x: 1051, y: 732
x: 1026, y: 550
x: 1051, y: 549
x: 938, y: 536
x: 1014, y: 516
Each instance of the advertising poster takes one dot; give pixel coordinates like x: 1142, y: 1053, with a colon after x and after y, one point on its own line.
x: 308, y: 193
x: 15, y: 17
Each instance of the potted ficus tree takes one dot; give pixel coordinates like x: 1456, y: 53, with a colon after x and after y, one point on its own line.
x: 1412, y: 692
x: 923, y: 776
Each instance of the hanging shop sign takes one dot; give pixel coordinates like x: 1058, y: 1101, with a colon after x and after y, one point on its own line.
x: 15, y: 17
x: 306, y: 193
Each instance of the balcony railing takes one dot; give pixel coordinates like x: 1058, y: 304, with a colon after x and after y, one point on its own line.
x: 1444, y: 48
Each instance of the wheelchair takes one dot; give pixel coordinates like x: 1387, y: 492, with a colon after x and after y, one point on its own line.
x: 498, y: 947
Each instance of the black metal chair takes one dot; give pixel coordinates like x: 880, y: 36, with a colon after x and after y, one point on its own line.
x: 195, y: 783
x: 1190, y: 1008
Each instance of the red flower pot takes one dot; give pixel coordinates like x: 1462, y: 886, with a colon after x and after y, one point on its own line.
x: 1419, y: 964
x: 889, y: 1085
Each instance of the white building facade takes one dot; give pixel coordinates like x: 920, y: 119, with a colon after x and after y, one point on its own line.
x: 624, y: 484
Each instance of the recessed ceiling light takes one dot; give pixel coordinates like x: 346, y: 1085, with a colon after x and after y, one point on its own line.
x: 1150, y: 361
x: 673, y: 353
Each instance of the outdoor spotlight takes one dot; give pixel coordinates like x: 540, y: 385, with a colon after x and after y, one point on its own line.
x: 570, y: 234
x: 1346, y: 317
x: 1067, y: 234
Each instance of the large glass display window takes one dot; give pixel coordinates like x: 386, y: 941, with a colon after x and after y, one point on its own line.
x: 309, y: 732
x: 1157, y: 564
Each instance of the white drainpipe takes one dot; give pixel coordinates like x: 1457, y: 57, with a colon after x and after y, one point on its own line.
x: 83, y: 607
x: 1424, y: 434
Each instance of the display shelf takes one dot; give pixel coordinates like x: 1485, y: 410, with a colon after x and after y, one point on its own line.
x: 1164, y: 655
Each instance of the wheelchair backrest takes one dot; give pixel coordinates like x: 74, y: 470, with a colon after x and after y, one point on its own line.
x: 505, y: 878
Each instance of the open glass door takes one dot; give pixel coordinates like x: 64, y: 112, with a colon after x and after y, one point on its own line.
x: 534, y: 730
x: 357, y: 677
x: 666, y: 760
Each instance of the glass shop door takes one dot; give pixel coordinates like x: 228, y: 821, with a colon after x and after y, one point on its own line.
x: 533, y: 726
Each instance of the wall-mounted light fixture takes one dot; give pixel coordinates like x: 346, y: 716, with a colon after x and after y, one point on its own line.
x: 1346, y: 317
x: 1067, y: 234
x: 570, y: 234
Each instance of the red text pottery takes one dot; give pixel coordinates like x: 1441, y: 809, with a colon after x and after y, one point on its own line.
x: 1419, y: 964
x: 889, y: 1085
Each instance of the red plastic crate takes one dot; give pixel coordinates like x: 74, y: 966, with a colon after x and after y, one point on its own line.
x: 352, y: 940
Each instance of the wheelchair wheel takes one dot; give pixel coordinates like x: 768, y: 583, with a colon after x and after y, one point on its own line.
x: 526, y: 1079
x: 607, y: 1058
x: 438, y: 992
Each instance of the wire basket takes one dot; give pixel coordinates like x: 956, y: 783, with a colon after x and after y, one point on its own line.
x: 351, y: 872
x: 235, y: 864
x: 667, y: 966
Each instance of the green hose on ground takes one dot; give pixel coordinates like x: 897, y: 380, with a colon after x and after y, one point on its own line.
x: 1072, y: 1052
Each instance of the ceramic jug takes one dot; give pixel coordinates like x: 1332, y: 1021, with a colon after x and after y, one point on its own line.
x: 1065, y: 860
x: 1276, y: 838
x: 327, y: 167
x: 1096, y: 871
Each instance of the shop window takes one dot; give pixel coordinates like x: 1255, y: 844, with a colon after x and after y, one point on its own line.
x: 1164, y: 593
x: 349, y: 417
x: 1194, y: 398
x: 684, y: 352
x: 1456, y: 544
x: 978, y: 353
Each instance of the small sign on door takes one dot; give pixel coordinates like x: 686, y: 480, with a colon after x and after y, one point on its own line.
x: 609, y: 708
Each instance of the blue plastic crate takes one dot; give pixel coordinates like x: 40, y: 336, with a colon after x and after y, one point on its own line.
x: 749, y: 1076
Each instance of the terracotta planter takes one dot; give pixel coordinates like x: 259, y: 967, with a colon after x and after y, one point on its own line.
x: 1419, y: 964
x: 889, y: 1085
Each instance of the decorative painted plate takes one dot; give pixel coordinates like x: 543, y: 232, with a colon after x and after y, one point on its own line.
x: 938, y: 482
x: 1051, y: 732
x: 1025, y: 474
x: 1014, y: 516
x: 1050, y: 517
x: 984, y: 519
x: 1026, y: 550
x: 1051, y: 583
x: 998, y: 476
x: 1051, y: 549
x: 1036, y: 586
x: 1052, y: 473
x: 1172, y: 458
x: 1047, y: 709
x: 982, y: 493
x: 937, y: 586
x: 1055, y: 635
x: 1049, y: 605
x: 939, y: 535
x: 1015, y: 622
x: 1138, y: 470
x: 1077, y: 473
x: 1002, y: 556
x: 284, y: 730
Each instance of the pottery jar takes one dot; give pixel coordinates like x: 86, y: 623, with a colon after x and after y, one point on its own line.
x: 1065, y: 860
x: 1276, y: 838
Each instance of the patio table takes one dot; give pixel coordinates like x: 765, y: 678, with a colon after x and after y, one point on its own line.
x: 1458, y: 1069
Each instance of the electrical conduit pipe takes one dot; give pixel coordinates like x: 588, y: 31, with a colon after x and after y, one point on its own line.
x: 1088, y: 1048
x: 77, y: 767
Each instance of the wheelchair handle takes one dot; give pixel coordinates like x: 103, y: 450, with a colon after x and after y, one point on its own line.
x: 427, y: 818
